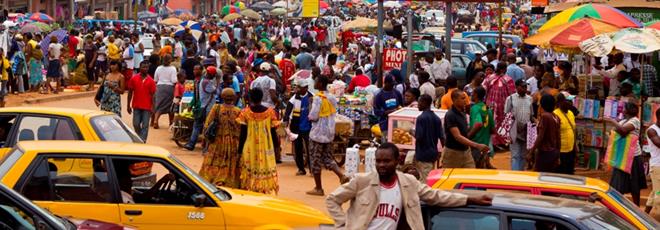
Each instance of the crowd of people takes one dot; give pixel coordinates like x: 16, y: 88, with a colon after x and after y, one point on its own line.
x: 242, y: 73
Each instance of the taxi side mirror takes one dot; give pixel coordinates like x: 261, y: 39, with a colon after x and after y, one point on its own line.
x: 199, y: 200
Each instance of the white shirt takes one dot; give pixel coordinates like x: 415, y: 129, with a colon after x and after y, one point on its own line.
x: 321, y: 60
x: 532, y: 85
x: 389, y: 208
x: 414, y: 81
x: 652, y: 148
x: 56, y: 50
x: 165, y: 75
x: 127, y: 54
x: 265, y: 83
x: 427, y: 88
x: 440, y: 70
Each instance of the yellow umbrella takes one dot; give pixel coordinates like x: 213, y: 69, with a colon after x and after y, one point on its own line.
x: 566, y: 38
x: 240, y: 5
x: 171, y: 21
x: 364, y: 24
x: 231, y: 17
x: 251, y: 14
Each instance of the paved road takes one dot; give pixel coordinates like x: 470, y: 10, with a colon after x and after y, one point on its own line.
x: 291, y: 186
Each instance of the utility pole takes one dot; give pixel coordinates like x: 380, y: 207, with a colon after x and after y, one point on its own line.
x: 379, y: 44
x: 448, y: 23
x: 410, y: 65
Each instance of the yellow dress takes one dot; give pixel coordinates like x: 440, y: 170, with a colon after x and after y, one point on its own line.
x: 221, y: 164
x: 258, y: 167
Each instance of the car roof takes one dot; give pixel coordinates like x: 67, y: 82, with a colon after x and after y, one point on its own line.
x: 492, y: 35
x: 54, y: 111
x: 535, y: 178
x: 545, y: 205
x: 94, y: 148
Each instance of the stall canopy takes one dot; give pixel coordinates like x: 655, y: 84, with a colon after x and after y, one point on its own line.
x: 596, y: 11
x: 566, y: 38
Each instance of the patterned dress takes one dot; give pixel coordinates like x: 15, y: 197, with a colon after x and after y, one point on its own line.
x: 258, y: 171
x: 498, y: 88
x: 221, y: 164
x: 111, y: 101
x: 36, y: 72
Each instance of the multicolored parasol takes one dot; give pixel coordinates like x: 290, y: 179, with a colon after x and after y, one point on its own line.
x: 41, y: 17
x: 226, y: 10
x: 653, y: 24
x: 240, y: 5
x: 596, y: 11
x: 566, y: 38
x: 193, y: 25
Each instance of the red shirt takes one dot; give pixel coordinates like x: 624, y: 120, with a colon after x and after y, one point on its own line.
x: 179, y: 89
x: 359, y: 81
x: 73, y: 45
x: 288, y: 69
x: 143, y: 92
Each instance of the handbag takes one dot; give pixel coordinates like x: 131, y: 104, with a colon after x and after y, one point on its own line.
x: 99, y: 93
x: 212, y: 130
x: 504, y: 130
x: 621, y: 151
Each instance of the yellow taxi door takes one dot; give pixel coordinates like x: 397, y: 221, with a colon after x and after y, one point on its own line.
x: 83, y: 210
x: 162, y: 217
x: 72, y: 186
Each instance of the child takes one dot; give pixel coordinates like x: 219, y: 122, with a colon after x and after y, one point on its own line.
x: 179, y: 89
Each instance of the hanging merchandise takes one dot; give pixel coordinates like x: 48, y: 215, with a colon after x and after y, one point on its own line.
x: 370, y: 159
x: 352, y: 160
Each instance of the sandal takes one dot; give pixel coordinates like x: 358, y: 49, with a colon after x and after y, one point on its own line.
x: 315, y: 192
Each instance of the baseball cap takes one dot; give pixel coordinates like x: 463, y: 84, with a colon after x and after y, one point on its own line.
x: 521, y: 82
x: 302, y: 82
x: 303, y: 45
x: 211, y: 70
x: 264, y: 67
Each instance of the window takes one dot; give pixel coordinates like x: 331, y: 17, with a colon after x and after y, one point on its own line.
x: 465, y: 220
x: 606, y: 220
x: 46, y: 128
x: 152, y: 182
x: 111, y: 128
x: 516, y: 223
x: 6, y: 123
x: 457, y: 63
x: 69, y: 179
x: 13, y: 216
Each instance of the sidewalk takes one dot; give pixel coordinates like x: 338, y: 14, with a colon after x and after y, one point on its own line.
x: 35, y: 97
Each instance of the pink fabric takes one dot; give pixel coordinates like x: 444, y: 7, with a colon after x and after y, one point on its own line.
x: 498, y: 89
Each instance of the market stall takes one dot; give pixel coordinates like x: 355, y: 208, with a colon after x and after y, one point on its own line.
x: 401, y: 126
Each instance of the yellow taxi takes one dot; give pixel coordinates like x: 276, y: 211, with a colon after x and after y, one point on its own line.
x: 103, y: 183
x: 547, y: 184
x: 47, y: 123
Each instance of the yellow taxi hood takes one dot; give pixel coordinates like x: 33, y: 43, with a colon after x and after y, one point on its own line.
x: 291, y: 213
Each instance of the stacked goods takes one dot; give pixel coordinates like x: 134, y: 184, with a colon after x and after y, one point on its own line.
x: 343, y: 125
x: 400, y: 136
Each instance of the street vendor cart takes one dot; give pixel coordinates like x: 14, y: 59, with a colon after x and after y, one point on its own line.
x: 184, y: 118
x: 401, y: 128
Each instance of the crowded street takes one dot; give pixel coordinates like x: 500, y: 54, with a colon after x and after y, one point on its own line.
x: 330, y: 114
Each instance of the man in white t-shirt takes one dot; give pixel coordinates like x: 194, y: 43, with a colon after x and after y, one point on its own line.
x: 397, y: 196
x: 653, y: 140
x: 54, y: 71
x: 267, y: 86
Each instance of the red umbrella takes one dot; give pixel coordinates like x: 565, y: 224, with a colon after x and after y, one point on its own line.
x: 323, y: 5
x: 41, y: 17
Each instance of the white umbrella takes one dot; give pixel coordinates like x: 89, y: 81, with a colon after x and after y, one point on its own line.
x: 9, y: 23
x: 629, y: 40
x: 280, y: 4
x: 391, y: 4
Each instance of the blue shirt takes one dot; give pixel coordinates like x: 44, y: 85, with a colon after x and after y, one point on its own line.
x: 207, y: 91
x: 386, y: 100
x: 515, y: 72
x: 428, y: 130
x: 234, y: 86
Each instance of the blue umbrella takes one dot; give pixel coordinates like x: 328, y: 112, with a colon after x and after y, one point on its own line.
x: 61, y: 35
x: 193, y: 25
